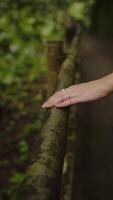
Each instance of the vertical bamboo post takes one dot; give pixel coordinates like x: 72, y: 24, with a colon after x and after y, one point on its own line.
x: 70, y: 156
x: 55, y: 58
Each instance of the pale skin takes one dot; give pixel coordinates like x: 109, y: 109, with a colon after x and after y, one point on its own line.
x: 83, y: 92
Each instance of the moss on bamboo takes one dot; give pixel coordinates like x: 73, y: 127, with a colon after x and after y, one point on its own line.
x: 43, y: 177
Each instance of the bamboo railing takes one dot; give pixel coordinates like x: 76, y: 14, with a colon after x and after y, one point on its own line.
x: 44, y: 176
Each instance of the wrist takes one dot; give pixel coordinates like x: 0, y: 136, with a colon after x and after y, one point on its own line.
x: 107, y: 84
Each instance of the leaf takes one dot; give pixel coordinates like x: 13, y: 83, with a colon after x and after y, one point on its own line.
x: 17, y: 178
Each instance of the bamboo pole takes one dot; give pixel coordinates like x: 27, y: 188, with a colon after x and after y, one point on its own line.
x: 55, y: 58
x: 68, y: 176
x: 43, y: 177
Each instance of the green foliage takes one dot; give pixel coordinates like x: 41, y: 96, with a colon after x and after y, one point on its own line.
x: 25, y: 26
x: 15, y: 181
x: 23, y: 30
x: 17, y: 178
x: 23, y: 150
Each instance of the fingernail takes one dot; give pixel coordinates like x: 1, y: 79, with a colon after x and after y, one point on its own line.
x: 43, y: 105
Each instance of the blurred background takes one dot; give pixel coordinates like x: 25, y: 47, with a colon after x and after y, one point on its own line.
x: 25, y: 27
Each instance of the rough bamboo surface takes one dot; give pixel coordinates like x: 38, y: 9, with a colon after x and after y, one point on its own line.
x: 68, y: 175
x: 55, y: 57
x: 43, y: 177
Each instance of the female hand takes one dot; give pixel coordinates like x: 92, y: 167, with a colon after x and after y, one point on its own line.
x: 83, y: 92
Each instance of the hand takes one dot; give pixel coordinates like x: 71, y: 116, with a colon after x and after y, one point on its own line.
x: 83, y: 92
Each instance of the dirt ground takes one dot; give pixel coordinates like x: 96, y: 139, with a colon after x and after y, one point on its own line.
x: 94, y: 151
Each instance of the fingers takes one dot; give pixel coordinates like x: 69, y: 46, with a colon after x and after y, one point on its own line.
x: 61, y: 98
x: 66, y: 102
x: 56, y: 98
x: 51, y: 103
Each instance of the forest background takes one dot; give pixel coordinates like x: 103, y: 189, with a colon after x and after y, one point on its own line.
x: 25, y: 28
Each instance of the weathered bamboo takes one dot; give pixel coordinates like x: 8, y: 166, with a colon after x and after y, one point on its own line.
x: 68, y: 175
x: 43, y: 177
x: 55, y: 56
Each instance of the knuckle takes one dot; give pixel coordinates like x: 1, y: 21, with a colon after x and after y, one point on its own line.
x: 71, y: 101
